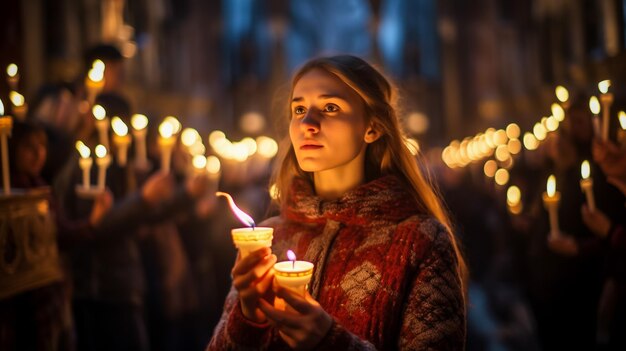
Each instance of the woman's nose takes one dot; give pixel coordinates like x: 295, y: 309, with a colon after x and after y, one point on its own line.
x: 310, y: 123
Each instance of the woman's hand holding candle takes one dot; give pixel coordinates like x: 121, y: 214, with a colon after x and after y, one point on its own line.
x: 304, y: 325
x: 252, y: 278
x: 596, y: 221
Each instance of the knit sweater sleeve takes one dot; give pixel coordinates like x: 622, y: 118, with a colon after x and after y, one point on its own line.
x: 433, y: 316
x: 235, y: 332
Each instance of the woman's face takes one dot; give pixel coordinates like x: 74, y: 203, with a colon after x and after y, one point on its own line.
x: 328, y: 128
x: 30, y: 155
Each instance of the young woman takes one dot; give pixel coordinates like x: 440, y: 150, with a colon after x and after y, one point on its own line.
x: 388, y: 273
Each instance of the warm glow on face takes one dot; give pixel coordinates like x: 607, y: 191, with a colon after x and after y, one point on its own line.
x: 176, y: 126
x: 291, y: 256
x: 267, y: 147
x: 12, y: 70
x: 1, y: 108
x: 622, y: 119
x: 101, y: 151
x: 16, y: 98
x: 594, y: 105
x: 189, y: 136
x: 99, y: 112
x: 513, y: 195
x: 199, y: 162
x: 512, y: 131
x: 242, y: 216
x: 585, y: 169
x: 119, y: 127
x: 139, y: 121
x: 558, y: 112
x: 561, y: 93
x: 604, y: 85
x: 213, y: 164
x: 502, y: 176
x: 166, y: 130
x: 551, y: 186
x: 95, y: 75
x: 83, y: 149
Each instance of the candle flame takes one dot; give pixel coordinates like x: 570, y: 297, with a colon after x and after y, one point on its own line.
x: 267, y: 146
x: 242, y: 216
x: 166, y: 130
x: 585, y: 170
x: 604, y: 85
x: 1, y: 108
x: 139, y: 121
x: 594, y: 105
x: 291, y: 255
x: 213, y: 164
x: 101, y: 151
x: 551, y: 186
x: 561, y: 93
x: 189, y: 136
x: 96, y: 75
x: 622, y: 119
x: 558, y: 112
x: 176, y: 126
x: 83, y: 149
x: 119, y: 127
x: 98, y: 65
x: 513, y: 195
x: 12, y: 70
x: 16, y: 98
x: 199, y: 162
x: 99, y: 112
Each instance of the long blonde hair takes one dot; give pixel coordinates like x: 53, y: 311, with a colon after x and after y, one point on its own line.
x: 387, y: 155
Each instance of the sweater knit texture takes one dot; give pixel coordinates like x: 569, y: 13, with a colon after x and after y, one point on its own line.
x: 385, y: 272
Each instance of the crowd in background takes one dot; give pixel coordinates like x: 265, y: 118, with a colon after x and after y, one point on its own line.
x: 146, y: 264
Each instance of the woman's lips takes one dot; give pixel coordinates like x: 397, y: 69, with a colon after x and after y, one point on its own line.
x: 310, y: 147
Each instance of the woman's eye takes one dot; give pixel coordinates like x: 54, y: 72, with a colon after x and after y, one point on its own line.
x: 298, y: 110
x: 331, y: 108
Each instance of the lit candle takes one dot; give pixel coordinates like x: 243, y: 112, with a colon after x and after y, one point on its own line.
x: 551, y: 199
x: 121, y: 139
x: 199, y: 164
x: 95, y: 80
x: 102, y: 124
x: 19, y: 106
x: 292, y: 275
x: 594, y: 106
x: 586, y: 184
x: 621, y: 134
x: 166, y: 144
x: 606, y: 99
x: 213, y: 166
x: 513, y: 199
x: 139, y: 123
x: 103, y: 160
x: 563, y: 96
x: 251, y: 238
x: 84, y: 163
x: 189, y: 137
x: 13, y: 76
x: 6, y: 124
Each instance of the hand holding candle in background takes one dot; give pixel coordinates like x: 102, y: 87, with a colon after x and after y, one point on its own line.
x: 586, y: 184
x: 551, y: 199
x: 121, y: 139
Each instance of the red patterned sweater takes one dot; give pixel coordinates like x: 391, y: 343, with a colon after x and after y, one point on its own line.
x: 384, y: 271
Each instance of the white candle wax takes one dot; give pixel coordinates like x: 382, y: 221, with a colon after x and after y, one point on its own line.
x: 103, y: 161
x: 551, y: 199
x: 85, y: 165
x: 251, y: 239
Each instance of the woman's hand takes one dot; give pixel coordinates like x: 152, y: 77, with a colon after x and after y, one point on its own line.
x: 596, y: 221
x: 252, y: 277
x: 563, y: 244
x: 101, y: 206
x: 302, y: 329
